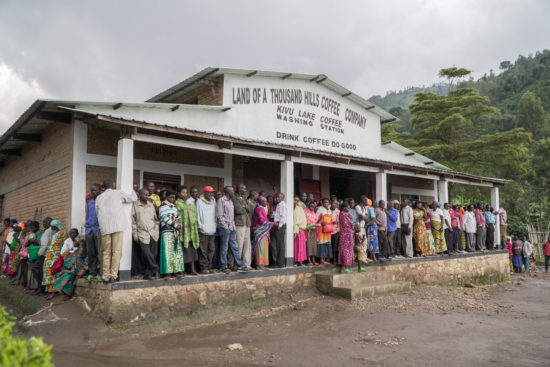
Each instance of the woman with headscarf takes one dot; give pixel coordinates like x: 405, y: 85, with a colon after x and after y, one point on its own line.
x: 299, y: 231
x: 345, y: 246
x: 171, y: 253
x: 52, y: 253
x: 21, y: 259
x: 311, y: 243
x: 371, y: 230
x: 421, y: 241
x: 437, y: 228
x: 73, y: 267
x: 189, y: 235
x: 261, y: 227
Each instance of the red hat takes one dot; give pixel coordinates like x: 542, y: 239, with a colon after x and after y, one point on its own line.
x: 209, y: 189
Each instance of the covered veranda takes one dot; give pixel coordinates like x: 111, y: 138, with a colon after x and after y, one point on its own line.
x: 133, y: 130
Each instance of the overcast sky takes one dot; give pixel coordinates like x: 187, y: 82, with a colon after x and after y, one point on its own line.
x: 131, y: 50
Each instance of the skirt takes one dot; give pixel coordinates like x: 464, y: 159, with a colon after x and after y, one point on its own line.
x: 300, y: 246
x: 171, y: 255
x: 324, y: 250
x: 262, y: 253
x: 311, y: 244
x: 517, y: 262
x: 190, y: 254
x: 372, y: 238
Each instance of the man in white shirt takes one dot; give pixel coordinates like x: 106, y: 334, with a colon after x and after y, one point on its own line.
x: 194, y: 196
x: 112, y: 223
x: 407, y: 222
x: 277, y: 248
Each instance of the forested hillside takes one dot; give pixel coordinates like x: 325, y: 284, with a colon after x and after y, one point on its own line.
x: 497, y: 125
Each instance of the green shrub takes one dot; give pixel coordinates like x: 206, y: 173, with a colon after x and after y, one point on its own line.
x: 16, y: 351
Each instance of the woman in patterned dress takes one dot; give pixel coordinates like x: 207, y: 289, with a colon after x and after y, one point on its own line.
x: 73, y: 267
x: 345, y: 247
x: 437, y: 228
x: 53, y: 252
x: 311, y: 243
x: 428, y: 224
x: 421, y: 240
x: 189, y: 235
x: 371, y: 233
x: 171, y: 255
x: 261, y: 227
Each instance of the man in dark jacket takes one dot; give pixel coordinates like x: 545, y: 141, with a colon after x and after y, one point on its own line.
x: 243, y: 208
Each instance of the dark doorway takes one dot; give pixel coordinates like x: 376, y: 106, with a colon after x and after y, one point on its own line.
x: 162, y: 181
x: 349, y: 184
x: 262, y: 175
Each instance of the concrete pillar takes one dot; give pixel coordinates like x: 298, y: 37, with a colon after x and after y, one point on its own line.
x: 381, y: 186
x: 287, y: 188
x: 78, y: 180
x: 443, y: 192
x: 436, y: 194
x: 124, y: 182
x: 495, y: 203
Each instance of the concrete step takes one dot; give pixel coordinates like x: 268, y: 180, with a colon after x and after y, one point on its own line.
x: 375, y: 281
x: 374, y: 289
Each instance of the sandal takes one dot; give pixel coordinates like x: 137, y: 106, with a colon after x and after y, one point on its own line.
x: 347, y: 271
x: 51, y: 296
x: 362, y: 270
x: 309, y: 264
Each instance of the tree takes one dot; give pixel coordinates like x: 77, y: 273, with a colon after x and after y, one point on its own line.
x: 453, y: 75
x: 446, y: 133
x: 531, y: 115
x: 505, y: 65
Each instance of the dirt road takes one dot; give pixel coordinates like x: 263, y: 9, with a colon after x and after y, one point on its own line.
x: 498, y: 325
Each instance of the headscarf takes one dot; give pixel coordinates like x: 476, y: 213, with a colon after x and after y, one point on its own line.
x: 14, y: 221
x: 261, y: 198
x: 89, y: 196
x: 21, y: 225
x: 35, y: 224
x: 437, y: 203
x: 369, y: 202
x: 56, y: 223
x: 170, y: 192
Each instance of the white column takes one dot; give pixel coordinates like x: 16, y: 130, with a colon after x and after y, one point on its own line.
x: 79, y: 189
x: 381, y: 186
x: 287, y: 188
x: 436, y: 196
x: 316, y: 172
x: 124, y: 182
x: 495, y: 203
x: 443, y: 191
x: 228, y: 169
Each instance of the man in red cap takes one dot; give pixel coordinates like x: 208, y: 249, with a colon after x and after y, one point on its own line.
x: 206, y: 224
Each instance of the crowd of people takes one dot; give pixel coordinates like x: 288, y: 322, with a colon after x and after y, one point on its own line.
x: 179, y: 232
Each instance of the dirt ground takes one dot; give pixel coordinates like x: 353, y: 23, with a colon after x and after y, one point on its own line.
x: 496, y: 325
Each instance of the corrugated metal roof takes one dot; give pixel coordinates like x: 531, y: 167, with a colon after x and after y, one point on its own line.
x: 193, y: 82
x: 420, y: 157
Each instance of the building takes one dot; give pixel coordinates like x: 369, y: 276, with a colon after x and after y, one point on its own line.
x: 276, y: 132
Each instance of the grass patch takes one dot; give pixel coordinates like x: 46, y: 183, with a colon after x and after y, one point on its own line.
x: 9, y: 296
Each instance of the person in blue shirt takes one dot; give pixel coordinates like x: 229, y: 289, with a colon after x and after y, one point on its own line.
x: 490, y: 220
x: 352, y: 211
x: 393, y: 215
x: 92, y: 227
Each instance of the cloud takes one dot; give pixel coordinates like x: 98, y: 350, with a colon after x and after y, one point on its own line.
x: 130, y: 50
x: 16, y: 95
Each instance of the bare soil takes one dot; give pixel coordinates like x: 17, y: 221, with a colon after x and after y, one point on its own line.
x: 496, y: 325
